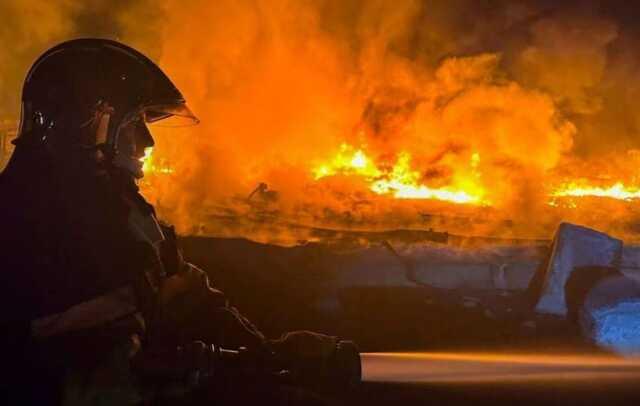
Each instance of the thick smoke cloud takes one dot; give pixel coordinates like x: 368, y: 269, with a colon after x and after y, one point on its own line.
x: 281, y: 85
x: 538, y: 90
x: 26, y: 30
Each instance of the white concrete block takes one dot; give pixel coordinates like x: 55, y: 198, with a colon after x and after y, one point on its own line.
x: 574, y: 246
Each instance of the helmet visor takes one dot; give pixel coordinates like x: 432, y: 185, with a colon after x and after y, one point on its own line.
x: 170, y: 115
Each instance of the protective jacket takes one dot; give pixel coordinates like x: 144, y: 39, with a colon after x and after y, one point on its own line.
x: 89, y: 276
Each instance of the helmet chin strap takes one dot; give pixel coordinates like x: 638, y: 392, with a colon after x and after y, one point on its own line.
x: 103, y: 125
x: 102, y: 131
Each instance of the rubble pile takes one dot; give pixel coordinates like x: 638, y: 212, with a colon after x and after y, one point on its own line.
x: 590, y: 278
x: 585, y: 285
x: 610, y: 315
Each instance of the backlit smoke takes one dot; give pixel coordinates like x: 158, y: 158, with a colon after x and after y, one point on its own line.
x: 511, y: 107
x: 297, y: 82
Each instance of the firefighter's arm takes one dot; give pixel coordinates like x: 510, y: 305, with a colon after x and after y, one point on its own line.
x: 183, y: 278
x: 190, y: 308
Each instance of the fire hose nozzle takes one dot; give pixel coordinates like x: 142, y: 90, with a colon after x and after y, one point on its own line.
x: 345, y: 365
x: 341, y: 369
x: 197, y: 362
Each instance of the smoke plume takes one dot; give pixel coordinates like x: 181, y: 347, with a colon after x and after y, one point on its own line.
x: 507, y: 97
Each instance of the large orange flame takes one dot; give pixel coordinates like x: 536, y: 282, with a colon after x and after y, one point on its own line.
x: 401, y: 180
x: 581, y: 189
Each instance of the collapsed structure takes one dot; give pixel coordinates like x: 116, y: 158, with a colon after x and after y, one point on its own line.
x: 591, y: 279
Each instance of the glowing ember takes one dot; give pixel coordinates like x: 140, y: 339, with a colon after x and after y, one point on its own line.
x: 617, y: 191
x: 402, y: 181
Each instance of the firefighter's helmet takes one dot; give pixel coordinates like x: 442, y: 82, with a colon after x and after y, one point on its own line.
x: 83, y: 93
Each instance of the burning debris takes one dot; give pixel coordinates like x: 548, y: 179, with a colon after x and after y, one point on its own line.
x: 616, y: 191
x: 262, y: 192
x: 364, y: 115
x: 399, y: 179
x: 370, y: 138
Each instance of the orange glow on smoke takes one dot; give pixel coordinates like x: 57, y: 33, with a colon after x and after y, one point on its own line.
x: 362, y: 116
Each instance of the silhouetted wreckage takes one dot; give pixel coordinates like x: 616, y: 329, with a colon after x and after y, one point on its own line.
x: 430, y: 290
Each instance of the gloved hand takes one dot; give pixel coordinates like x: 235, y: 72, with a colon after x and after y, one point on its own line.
x: 193, y: 283
x: 172, y: 364
x: 318, y: 360
x: 303, y: 345
x: 182, y: 306
x: 190, y: 309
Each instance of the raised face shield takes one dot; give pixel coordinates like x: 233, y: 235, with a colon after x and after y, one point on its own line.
x: 133, y: 136
x: 170, y: 115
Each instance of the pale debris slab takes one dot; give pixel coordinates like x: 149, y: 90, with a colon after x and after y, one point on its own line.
x: 573, y: 247
x: 610, y: 316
